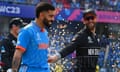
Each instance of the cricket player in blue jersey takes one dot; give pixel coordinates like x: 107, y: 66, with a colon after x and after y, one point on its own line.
x: 31, y: 53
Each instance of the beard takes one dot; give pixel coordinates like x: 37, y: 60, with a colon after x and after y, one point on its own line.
x: 91, y: 26
x: 47, y: 23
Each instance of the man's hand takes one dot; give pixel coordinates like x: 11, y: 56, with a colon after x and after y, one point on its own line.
x: 52, y: 59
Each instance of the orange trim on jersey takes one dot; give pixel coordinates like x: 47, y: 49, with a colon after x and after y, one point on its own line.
x: 21, y: 48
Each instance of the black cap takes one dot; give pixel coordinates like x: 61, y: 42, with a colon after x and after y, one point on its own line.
x: 17, y: 22
x: 89, y: 11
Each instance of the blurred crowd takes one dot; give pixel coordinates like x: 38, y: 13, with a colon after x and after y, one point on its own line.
x: 109, y: 55
x: 109, y: 5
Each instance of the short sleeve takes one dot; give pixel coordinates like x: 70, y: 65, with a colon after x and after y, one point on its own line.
x: 23, y: 40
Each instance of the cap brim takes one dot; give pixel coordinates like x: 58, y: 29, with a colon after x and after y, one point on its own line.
x: 23, y: 24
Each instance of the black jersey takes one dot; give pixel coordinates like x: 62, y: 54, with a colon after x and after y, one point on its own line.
x: 87, y: 48
x: 9, y: 44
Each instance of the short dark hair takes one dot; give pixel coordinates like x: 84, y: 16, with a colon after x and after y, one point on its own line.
x: 89, y: 11
x: 43, y: 6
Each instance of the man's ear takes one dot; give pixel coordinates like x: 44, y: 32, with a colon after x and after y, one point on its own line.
x: 13, y: 25
x: 41, y: 15
x: 83, y: 21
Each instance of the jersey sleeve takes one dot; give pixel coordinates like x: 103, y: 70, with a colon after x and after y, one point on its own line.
x: 23, y: 40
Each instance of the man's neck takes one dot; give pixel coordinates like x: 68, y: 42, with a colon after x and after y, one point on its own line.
x: 93, y: 31
x: 39, y: 23
x: 14, y: 34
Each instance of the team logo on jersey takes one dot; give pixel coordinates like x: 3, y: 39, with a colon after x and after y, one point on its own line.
x: 3, y: 49
x: 14, y: 42
x: 98, y: 40
x: 90, y: 39
x: 38, y: 36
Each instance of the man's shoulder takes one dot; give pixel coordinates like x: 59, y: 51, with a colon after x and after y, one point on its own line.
x: 6, y: 38
x: 5, y: 41
x: 81, y: 32
x: 27, y: 28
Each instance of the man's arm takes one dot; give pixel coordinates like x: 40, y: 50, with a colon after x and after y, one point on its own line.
x: 65, y: 51
x: 69, y: 49
x: 16, y: 60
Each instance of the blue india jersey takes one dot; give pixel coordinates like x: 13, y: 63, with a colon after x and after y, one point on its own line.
x: 33, y: 41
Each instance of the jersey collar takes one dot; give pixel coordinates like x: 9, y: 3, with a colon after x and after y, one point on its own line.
x: 37, y: 27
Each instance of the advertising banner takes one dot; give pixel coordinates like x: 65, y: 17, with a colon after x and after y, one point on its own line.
x: 16, y: 10
x: 28, y: 11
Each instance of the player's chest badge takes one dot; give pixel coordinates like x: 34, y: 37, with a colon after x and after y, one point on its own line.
x: 38, y: 37
x: 90, y: 39
x: 14, y: 42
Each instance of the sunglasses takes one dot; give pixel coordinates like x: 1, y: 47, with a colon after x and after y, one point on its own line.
x: 90, y: 18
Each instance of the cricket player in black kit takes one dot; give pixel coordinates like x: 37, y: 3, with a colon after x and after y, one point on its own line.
x: 85, y: 43
x: 9, y: 42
